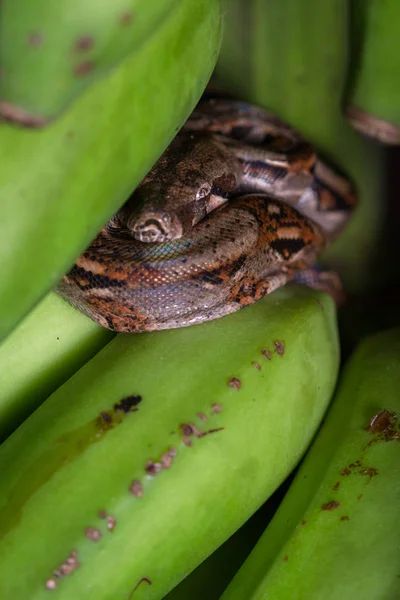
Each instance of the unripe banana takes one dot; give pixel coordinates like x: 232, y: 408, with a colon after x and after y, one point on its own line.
x: 51, y: 51
x: 50, y: 344
x: 374, y: 103
x: 292, y: 57
x: 336, y: 534
x: 59, y: 185
x: 159, y: 448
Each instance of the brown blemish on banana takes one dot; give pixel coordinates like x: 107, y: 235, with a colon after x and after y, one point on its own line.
x: 136, y: 489
x: 111, y: 522
x: 93, y: 534
x: 202, y: 417
x: 143, y: 580
x: 344, y: 518
x: 256, y: 365
x: 286, y: 558
x: 336, y: 486
x: 384, y: 425
x: 128, y: 404
x: 216, y: 408
x: 126, y: 18
x: 235, y: 383
x: 35, y: 39
x: 152, y: 468
x: 84, y: 43
x: 215, y: 430
x: 65, y: 569
x: 266, y: 353
x: 16, y: 114
x: 279, y: 347
x: 166, y: 460
x: 369, y: 471
x: 332, y: 505
x: 84, y: 68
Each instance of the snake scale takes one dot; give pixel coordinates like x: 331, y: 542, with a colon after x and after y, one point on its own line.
x: 236, y: 206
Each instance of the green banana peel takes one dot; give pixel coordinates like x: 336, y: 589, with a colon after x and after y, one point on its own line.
x: 374, y: 95
x: 46, y: 348
x: 335, y: 535
x: 58, y: 186
x: 292, y: 57
x: 160, y: 447
x: 51, y: 51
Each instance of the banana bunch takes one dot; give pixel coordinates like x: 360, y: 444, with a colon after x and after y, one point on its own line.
x: 374, y: 99
x: 51, y: 51
x: 61, y: 183
x: 335, y: 535
x: 160, y: 447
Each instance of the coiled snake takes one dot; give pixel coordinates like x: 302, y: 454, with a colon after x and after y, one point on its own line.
x: 234, y: 208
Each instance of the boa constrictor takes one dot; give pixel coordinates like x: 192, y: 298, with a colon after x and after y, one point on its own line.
x: 237, y: 205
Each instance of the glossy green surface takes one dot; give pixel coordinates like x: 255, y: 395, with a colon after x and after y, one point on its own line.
x: 84, y: 452
x: 46, y: 348
x: 335, y: 535
x: 51, y: 51
x: 58, y: 186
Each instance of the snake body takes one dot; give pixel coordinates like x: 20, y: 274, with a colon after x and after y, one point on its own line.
x: 234, y: 208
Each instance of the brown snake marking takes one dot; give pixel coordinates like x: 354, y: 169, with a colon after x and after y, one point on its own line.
x: 234, y: 208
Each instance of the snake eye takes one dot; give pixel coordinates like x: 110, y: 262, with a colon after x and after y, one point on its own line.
x: 203, y: 191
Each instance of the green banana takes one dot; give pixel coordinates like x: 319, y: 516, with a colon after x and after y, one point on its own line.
x: 160, y: 447
x: 374, y: 99
x: 292, y: 57
x: 335, y: 535
x: 58, y: 186
x: 50, y: 344
x: 51, y: 51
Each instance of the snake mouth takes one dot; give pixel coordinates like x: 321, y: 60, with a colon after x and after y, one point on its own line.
x: 155, y: 228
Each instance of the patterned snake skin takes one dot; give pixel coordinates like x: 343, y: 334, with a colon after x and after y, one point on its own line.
x: 234, y: 208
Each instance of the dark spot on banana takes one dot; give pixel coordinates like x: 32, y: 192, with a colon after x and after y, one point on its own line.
x: 166, y: 460
x: 216, y: 408
x: 35, y: 38
x: 286, y: 558
x: 331, y: 505
x: 344, y: 518
x: 369, y: 471
x: 215, y: 430
x: 188, y: 429
x: 84, y: 43
x: 256, y: 365
x: 266, y: 353
x: 111, y: 522
x: 235, y: 383
x: 128, y: 404
x: 152, y: 468
x: 202, y: 417
x: 93, y: 534
x: 136, y: 489
x: 279, y: 347
x: 84, y: 68
x: 336, y: 486
x: 126, y: 18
